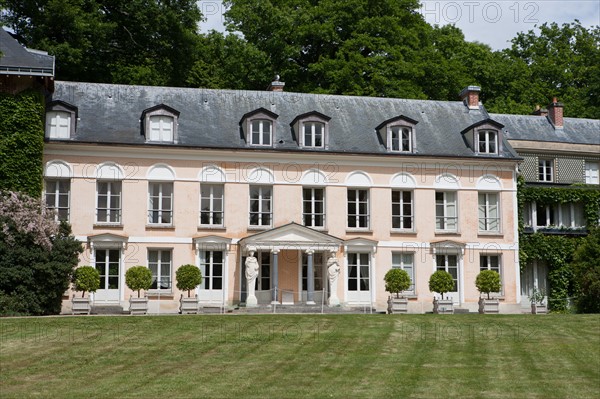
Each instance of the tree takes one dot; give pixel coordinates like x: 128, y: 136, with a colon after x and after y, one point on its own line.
x: 188, y: 277
x: 86, y: 278
x: 441, y: 281
x: 586, y: 266
x: 37, y: 257
x: 396, y: 281
x: 138, y: 278
x: 488, y: 281
x: 130, y: 42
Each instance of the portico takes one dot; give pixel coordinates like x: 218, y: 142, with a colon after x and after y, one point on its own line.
x: 287, y: 267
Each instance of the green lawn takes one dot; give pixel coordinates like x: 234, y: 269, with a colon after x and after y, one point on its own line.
x: 292, y: 356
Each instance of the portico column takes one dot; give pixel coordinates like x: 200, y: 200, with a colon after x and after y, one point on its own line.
x: 310, y: 278
x: 275, y: 277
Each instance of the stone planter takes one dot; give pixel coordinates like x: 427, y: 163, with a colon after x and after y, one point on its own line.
x: 539, y: 308
x: 138, y: 305
x: 489, y: 306
x: 188, y: 305
x: 397, y: 305
x: 81, y: 305
x: 443, y: 306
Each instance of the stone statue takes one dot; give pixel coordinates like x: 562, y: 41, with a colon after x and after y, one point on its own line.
x: 333, y: 271
x: 251, y: 275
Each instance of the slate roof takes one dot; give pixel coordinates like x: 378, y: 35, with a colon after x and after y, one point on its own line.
x: 18, y: 60
x: 539, y: 128
x: 110, y: 114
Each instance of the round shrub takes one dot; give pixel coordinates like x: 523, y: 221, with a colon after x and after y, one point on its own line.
x: 396, y: 281
x: 86, y: 278
x: 138, y: 278
x: 488, y: 281
x: 188, y: 277
x: 441, y: 281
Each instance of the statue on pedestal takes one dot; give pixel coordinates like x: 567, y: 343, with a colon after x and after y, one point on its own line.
x: 251, y: 275
x: 333, y: 271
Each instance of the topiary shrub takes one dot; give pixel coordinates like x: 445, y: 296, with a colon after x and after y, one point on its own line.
x: 86, y: 279
x: 138, y: 278
x: 396, y: 281
x: 441, y: 282
x: 188, y: 277
x: 488, y: 281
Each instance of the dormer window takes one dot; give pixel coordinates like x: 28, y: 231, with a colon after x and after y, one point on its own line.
x: 398, y: 134
x: 487, y: 141
x: 159, y: 124
x: 311, y: 129
x: 485, y: 137
x: 258, y: 127
x: 60, y: 120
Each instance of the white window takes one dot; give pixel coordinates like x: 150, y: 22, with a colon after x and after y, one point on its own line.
x: 400, y: 139
x: 545, y: 170
x: 490, y: 262
x: 487, y: 142
x: 161, y: 128
x: 489, y: 215
x: 402, y: 210
x: 568, y: 215
x: 592, y: 176
x: 59, y: 124
x: 446, y: 211
x: 313, y: 207
x: 109, y: 202
x: 313, y: 134
x: 160, y: 205
x: 159, y: 263
x: 405, y: 262
x: 211, y: 265
x: 261, y: 132
x: 358, y: 208
x: 358, y: 272
x: 261, y: 198
x: 57, y: 195
x: 448, y: 263
x: 211, y: 204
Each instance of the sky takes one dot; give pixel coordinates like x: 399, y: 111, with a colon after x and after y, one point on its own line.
x: 491, y: 22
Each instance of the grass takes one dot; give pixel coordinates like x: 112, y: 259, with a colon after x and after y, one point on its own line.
x: 293, y: 356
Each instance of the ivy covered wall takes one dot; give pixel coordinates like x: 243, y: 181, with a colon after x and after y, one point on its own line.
x: 22, y: 142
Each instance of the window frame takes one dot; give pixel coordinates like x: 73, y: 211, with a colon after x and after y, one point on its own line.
x: 401, y: 216
x: 402, y: 266
x: 56, y: 193
x: 211, y: 200
x: 487, y: 141
x: 259, y: 115
x: 385, y: 131
x: 109, y: 199
x: 545, y: 169
x: 359, y: 277
x: 164, y: 111
x: 313, y: 124
x: 261, y: 134
x: 161, y: 131
x: 487, y: 211
x: 402, y: 129
x: 56, y: 108
x: 207, y: 268
x: 591, y: 174
x: 488, y: 266
x: 161, y: 198
x: 445, y: 203
x: 357, y: 215
x: 312, y: 202
x: 159, y: 266
x: 260, y: 212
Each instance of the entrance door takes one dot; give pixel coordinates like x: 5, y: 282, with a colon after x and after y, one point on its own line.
x: 212, y: 268
x: 533, y: 276
x: 108, y: 264
x: 359, y: 278
x: 450, y: 264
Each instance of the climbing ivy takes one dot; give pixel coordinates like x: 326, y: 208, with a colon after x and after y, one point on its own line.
x: 21, y: 142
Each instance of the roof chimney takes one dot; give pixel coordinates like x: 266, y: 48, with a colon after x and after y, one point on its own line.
x: 470, y: 96
x: 555, y: 113
x: 276, y: 85
x: 539, y: 111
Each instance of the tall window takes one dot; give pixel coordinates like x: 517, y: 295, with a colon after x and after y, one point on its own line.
x: 264, y: 278
x: 313, y: 207
x: 59, y: 124
x: 487, y: 142
x: 446, y: 211
x: 405, y: 262
x: 261, y: 132
x: 400, y: 138
x: 490, y: 262
x: 211, y: 204
x: 402, y: 210
x: 358, y: 208
x: 313, y: 134
x: 592, y: 175
x: 261, y: 198
x: 159, y: 263
x: 545, y: 170
x: 318, y: 263
x: 161, y: 128
x: 211, y: 265
x: 489, y: 217
x: 107, y: 264
x: 358, y: 272
x: 160, y: 206
x: 109, y: 202
x: 448, y: 263
x: 57, y: 197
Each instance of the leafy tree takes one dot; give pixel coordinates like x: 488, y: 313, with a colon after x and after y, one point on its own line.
x: 37, y: 257
x: 86, y: 278
x: 188, y: 277
x: 441, y: 281
x: 138, y: 278
x: 488, y: 281
x: 396, y: 281
x: 586, y: 265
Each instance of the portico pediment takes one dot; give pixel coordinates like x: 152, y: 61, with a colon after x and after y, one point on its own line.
x: 291, y: 236
x: 447, y: 246
x: 106, y: 240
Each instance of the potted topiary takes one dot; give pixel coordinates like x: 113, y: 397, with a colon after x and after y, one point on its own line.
x: 441, y: 281
x: 488, y: 281
x: 396, y: 281
x: 138, y: 278
x: 537, y: 302
x: 188, y: 278
x: 84, y: 279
